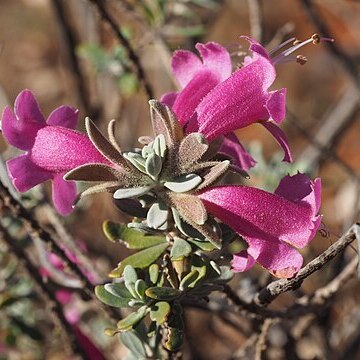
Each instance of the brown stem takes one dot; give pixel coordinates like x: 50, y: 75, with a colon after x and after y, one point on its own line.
x: 139, y: 71
x: 35, y: 229
x: 55, y: 307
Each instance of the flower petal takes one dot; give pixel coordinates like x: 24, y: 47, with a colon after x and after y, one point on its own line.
x: 24, y: 174
x: 242, y: 261
x: 169, y: 98
x: 189, y: 98
x: 255, y: 213
x: 185, y: 65
x: 276, y: 105
x: 59, y: 149
x: 65, y: 116
x: 280, y: 259
x: 236, y: 102
x: 27, y: 108
x: 17, y: 132
x: 63, y: 194
x: 216, y: 58
x: 280, y: 137
x: 241, y: 158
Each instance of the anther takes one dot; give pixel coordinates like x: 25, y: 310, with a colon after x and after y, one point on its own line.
x: 297, y: 41
x: 315, y: 39
x: 302, y: 60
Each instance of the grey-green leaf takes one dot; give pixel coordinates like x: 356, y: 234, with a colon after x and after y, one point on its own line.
x: 125, y: 193
x: 109, y: 299
x: 132, y: 319
x: 119, y: 290
x: 134, y: 343
x: 153, y: 165
x: 157, y: 215
x: 180, y: 249
x: 136, y: 159
x: 133, y: 239
x: 130, y: 275
x: 140, y: 287
x: 154, y: 273
x: 140, y: 260
x: 183, y: 183
x: 159, y: 145
x: 162, y: 293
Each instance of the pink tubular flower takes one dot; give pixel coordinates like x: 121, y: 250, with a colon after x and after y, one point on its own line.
x: 215, y: 102
x: 52, y: 148
x: 273, y: 225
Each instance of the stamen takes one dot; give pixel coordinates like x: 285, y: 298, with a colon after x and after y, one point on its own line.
x: 297, y: 44
x: 280, y: 46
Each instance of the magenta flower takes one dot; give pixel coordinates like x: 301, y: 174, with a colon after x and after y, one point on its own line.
x: 273, y: 225
x: 215, y: 102
x: 52, y: 148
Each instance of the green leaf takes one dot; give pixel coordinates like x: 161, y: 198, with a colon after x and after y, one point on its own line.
x: 159, y: 145
x: 157, y: 215
x: 140, y: 260
x: 189, y: 279
x: 126, y: 193
x: 130, y: 275
x: 183, y: 183
x: 154, y: 273
x: 132, y: 319
x: 153, y: 165
x: 134, y: 343
x: 118, y: 289
x: 180, y: 249
x: 136, y: 159
x: 140, y: 287
x: 159, y: 312
x: 110, y: 299
x: 133, y: 239
x: 162, y: 293
x: 203, y: 245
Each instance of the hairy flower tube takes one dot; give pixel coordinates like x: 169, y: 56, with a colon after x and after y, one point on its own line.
x: 273, y: 225
x: 52, y: 148
x: 215, y: 102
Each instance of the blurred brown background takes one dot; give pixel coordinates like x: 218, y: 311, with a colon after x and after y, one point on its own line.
x: 40, y: 49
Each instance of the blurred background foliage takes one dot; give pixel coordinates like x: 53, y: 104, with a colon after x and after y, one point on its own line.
x: 66, y: 54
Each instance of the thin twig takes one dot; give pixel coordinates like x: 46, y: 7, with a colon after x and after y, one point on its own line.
x: 55, y: 307
x: 307, y: 304
x: 274, y: 289
x: 35, y: 229
x: 256, y: 17
x: 260, y: 346
x: 71, y: 44
x: 139, y: 71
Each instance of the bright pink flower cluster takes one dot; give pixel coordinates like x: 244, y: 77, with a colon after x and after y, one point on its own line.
x: 52, y: 148
x: 214, y: 101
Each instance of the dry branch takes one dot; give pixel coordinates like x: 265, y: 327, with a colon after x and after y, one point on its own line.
x: 139, y: 71
x: 50, y: 300
x: 273, y: 290
x: 35, y: 229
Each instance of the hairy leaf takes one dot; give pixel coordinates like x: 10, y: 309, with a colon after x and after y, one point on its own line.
x: 180, y: 249
x: 109, y: 299
x: 183, y: 183
x: 159, y: 312
x: 162, y: 293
